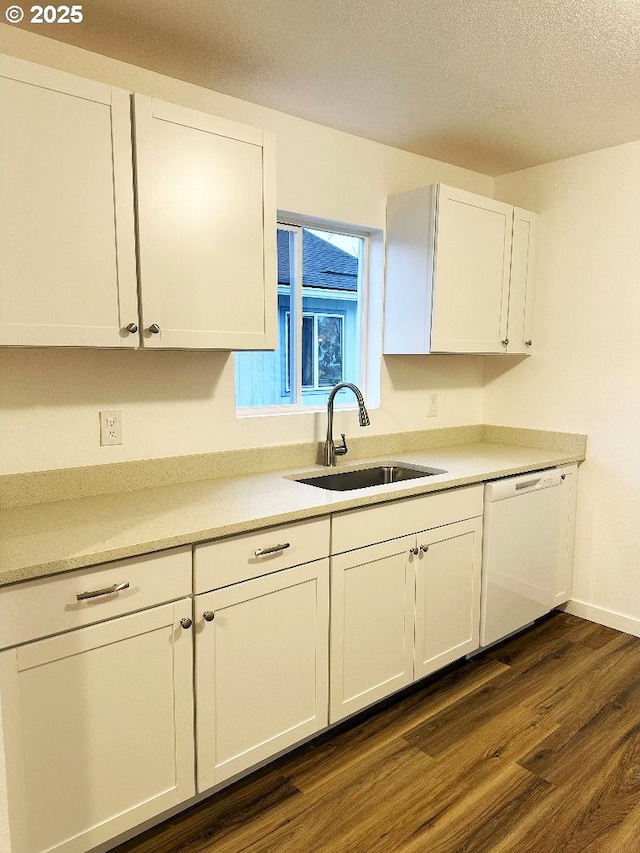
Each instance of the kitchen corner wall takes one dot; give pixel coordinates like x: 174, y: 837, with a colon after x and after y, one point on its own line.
x: 585, y: 375
x: 177, y: 403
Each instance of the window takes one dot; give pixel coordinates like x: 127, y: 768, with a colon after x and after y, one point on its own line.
x: 320, y: 319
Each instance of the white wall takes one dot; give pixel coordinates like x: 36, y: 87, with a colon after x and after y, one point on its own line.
x: 585, y: 376
x: 180, y: 403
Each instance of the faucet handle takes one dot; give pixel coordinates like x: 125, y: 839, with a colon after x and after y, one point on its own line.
x: 341, y: 449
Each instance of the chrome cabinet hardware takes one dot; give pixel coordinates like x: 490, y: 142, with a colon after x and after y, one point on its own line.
x: 505, y: 342
x: 209, y: 615
x: 414, y: 551
x: 154, y: 328
x: 528, y: 343
x: 117, y: 587
x: 186, y: 622
x: 263, y: 552
x: 424, y: 548
x: 132, y: 328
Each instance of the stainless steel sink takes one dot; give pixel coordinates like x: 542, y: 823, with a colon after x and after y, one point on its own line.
x: 377, y: 475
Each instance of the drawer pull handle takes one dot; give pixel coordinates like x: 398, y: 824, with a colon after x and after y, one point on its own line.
x: 209, y: 615
x: 262, y: 552
x: 117, y: 587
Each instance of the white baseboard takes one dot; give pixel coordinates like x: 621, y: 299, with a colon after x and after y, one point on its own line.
x: 603, y: 617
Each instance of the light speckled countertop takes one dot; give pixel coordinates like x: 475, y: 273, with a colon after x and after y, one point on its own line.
x: 46, y: 538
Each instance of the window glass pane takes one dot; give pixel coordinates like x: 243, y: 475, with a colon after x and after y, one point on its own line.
x: 262, y: 378
x: 329, y: 350
x: 327, y: 265
x: 307, y: 351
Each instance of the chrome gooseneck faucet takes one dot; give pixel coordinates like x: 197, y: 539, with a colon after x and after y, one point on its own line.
x: 330, y: 448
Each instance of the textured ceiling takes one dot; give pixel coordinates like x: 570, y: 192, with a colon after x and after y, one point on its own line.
x: 493, y: 85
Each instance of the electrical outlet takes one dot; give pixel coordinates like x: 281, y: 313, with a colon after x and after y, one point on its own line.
x: 432, y: 405
x: 110, y: 428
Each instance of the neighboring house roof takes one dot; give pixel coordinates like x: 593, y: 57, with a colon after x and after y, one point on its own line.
x: 324, y: 265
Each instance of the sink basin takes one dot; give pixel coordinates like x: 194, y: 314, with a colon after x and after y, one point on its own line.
x: 378, y: 475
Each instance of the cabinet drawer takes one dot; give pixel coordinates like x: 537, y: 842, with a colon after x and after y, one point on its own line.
x: 359, y: 527
x: 50, y: 605
x: 241, y: 558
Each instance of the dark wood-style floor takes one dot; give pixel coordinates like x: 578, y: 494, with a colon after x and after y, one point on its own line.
x: 531, y: 747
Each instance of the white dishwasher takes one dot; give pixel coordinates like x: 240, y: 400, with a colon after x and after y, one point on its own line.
x: 527, y: 549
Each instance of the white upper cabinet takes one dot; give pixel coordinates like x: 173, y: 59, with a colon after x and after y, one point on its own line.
x: 67, y: 248
x: 206, y: 220
x: 206, y: 228
x: 453, y: 261
x: 520, y: 324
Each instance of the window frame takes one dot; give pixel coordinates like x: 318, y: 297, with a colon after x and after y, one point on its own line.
x: 296, y: 224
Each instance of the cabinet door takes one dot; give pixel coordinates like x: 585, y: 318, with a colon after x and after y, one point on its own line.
x: 207, y: 229
x: 261, y: 668
x: 98, y: 729
x: 521, y: 289
x: 67, y: 266
x: 372, y: 616
x: 447, y: 595
x: 471, y: 272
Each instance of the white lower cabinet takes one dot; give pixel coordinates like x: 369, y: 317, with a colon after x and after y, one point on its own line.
x: 372, y: 619
x: 261, y: 647
x: 405, y: 607
x: 98, y: 721
x: 97, y: 665
x: 447, y: 595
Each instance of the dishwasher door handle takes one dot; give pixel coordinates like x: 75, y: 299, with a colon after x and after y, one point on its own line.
x: 527, y: 484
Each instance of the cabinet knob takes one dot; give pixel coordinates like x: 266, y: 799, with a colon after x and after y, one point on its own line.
x: 132, y: 328
x: 528, y: 343
x: 186, y: 622
x: 505, y: 342
x: 209, y: 615
x: 414, y: 551
x: 154, y: 328
x: 424, y: 548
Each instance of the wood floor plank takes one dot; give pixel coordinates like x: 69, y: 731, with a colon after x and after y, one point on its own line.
x: 625, y: 838
x: 192, y: 831
x: 462, y: 777
x: 604, y: 673
x: 508, y: 690
x: 590, y: 808
x: 477, y: 823
x: 526, y: 648
x: 332, y: 756
x: 322, y: 822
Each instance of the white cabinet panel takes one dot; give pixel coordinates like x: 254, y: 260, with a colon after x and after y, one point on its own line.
x: 372, y: 614
x: 261, y: 668
x: 471, y: 273
x: 403, y: 608
x: 521, y: 290
x: 357, y: 528
x: 251, y: 555
x: 206, y: 206
x: 447, y: 595
x: 206, y: 229
x: 123, y: 586
x: 67, y: 266
x: 459, y: 273
x: 564, y: 569
x: 98, y: 727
